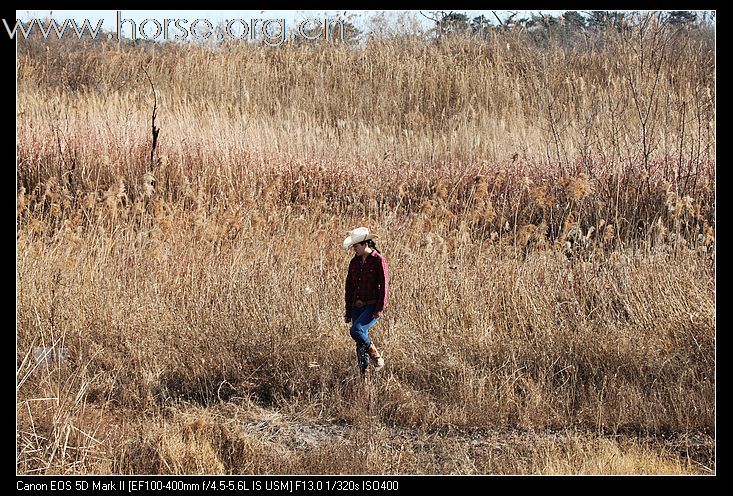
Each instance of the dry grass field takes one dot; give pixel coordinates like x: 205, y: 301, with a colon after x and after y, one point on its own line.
x: 548, y: 215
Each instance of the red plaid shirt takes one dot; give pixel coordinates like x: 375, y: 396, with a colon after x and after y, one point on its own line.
x: 367, y: 280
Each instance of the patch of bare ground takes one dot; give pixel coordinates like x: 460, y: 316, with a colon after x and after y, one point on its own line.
x: 243, y: 438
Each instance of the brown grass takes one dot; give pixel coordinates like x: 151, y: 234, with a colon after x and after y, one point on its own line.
x: 551, y: 312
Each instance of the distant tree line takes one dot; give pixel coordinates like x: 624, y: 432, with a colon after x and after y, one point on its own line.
x: 456, y: 22
x: 567, y: 29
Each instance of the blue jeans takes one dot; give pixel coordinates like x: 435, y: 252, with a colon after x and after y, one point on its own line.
x: 361, y: 322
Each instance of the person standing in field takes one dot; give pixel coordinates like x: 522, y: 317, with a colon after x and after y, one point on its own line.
x: 366, y: 295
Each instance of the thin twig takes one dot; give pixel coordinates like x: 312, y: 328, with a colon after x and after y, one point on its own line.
x: 155, y: 130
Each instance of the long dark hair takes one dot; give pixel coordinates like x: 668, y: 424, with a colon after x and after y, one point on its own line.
x: 371, y: 244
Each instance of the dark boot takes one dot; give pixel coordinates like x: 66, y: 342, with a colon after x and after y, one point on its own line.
x: 362, y: 359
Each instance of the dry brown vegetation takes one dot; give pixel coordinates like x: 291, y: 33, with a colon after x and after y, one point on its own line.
x: 548, y: 216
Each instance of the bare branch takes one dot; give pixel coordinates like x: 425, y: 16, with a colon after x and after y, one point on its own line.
x: 434, y: 19
x: 498, y: 18
x: 155, y: 130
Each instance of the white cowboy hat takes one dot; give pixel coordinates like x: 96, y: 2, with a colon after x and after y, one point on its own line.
x: 357, y: 236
